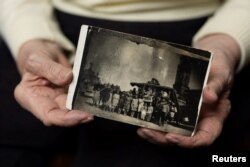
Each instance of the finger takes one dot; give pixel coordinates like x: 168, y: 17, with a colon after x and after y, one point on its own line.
x: 202, y: 138
x: 31, y: 80
x: 208, y: 129
x: 50, y: 113
x: 63, y: 60
x: 220, y: 80
x: 61, y: 101
x: 67, y: 118
x: 57, y: 53
x: 58, y: 114
x: 35, y: 87
x: 205, y: 135
x: 153, y: 136
x: 47, y: 110
x: 71, y: 117
x: 47, y: 68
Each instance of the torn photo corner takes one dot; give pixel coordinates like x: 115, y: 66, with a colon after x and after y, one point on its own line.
x: 138, y: 80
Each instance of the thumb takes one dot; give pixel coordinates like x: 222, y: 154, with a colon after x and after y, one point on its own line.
x: 45, y: 67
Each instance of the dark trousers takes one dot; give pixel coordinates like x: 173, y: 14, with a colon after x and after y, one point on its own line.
x: 24, y: 141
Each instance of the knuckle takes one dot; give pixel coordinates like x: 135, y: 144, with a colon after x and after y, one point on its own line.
x: 33, y: 64
x: 31, y: 59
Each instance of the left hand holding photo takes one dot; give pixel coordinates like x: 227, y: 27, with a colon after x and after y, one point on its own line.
x: 46, y: 75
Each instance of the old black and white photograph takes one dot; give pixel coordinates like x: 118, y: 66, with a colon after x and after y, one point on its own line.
x: 138, y: 80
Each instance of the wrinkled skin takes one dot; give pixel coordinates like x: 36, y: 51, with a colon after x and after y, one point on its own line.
x: 46, y: 75
x: 216, y: 105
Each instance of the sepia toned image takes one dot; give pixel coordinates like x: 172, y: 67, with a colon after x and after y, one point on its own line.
x: 138, y: 80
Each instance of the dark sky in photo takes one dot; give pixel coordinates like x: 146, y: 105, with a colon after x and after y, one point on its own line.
x: 120, y: 61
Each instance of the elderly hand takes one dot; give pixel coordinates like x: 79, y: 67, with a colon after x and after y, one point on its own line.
x: 216, y: 105
x: 46, y: 75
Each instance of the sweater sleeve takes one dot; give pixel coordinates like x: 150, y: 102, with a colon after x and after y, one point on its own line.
x: 233, y: 19
x: 23, y: 20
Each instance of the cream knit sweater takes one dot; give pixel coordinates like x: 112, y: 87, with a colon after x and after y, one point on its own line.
x: 23, y: 20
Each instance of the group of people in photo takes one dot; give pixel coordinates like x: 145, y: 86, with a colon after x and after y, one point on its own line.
x: 148, y: 103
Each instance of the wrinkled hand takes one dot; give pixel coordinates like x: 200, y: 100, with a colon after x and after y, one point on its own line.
x: 46, y: 75
x: 216, y: 105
